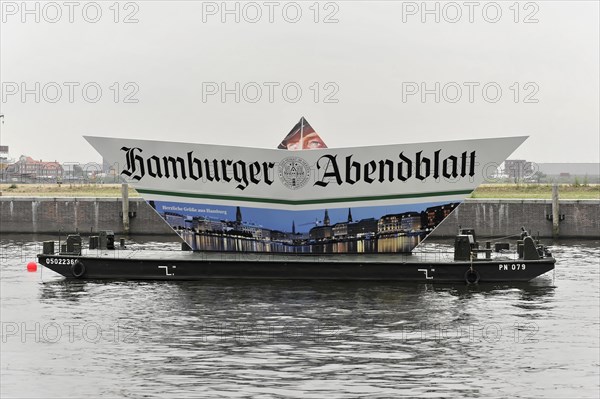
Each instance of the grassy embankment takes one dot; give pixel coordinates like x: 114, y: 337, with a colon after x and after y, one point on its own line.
x: 537, y: 191
x: 64, y: 190
x: 516, y: 191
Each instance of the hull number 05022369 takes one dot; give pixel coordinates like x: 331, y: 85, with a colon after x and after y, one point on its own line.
x: 512, y: 266
x: 60, y: 261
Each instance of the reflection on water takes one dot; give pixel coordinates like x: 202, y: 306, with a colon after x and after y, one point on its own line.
x: 317, y: 339
x: 363, y: 245
x: 397, y: 244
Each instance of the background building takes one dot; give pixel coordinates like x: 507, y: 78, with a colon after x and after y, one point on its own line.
x: 29, y: 169
x: 4, y: 161
x: 518, y: 169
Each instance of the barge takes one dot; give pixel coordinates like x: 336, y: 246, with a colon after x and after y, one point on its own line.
x: 469, y: 264
x: 354, y: 213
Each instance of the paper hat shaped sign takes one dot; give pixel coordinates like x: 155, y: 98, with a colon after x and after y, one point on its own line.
x: 373, y: 199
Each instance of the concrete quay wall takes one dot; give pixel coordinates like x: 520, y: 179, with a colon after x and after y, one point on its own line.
x: 68, y: 215
x: 489, y: 217
x: 504, y: 217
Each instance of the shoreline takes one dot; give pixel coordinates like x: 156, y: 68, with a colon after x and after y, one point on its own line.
x: 484, y: 191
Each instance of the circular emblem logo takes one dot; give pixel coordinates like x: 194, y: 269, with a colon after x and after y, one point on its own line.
x: 294, y: 172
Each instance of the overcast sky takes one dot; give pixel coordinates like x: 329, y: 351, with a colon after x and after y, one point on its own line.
x: 361, y: 68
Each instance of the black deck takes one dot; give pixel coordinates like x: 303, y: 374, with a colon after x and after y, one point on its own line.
x: 182, y: 265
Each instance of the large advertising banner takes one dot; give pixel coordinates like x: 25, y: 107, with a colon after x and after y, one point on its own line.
x: 375, y: 199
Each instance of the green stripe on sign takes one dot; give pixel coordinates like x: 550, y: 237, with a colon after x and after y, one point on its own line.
x: 302, y: 202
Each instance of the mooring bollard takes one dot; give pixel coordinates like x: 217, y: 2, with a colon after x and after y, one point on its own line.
x: 555, y: 211
x: 125, y: 210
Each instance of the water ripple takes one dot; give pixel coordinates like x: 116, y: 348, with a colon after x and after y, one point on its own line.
x: 276, y: 339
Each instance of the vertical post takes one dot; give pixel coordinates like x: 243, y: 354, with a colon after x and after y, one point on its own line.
x: 555, y: 211
x: 125, y: 204
x: 302, y: 133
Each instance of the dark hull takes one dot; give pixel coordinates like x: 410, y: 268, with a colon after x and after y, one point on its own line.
x: 315, y: 268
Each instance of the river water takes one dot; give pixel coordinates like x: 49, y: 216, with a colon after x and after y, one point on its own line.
x: 272, y: 339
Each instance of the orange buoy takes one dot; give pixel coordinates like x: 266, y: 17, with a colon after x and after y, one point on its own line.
x: 32, y: 267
